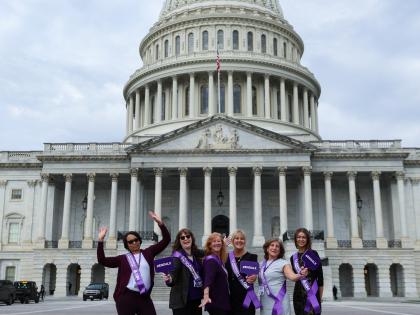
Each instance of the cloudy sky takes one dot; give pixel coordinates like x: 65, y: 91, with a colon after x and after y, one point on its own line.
x: 63, y: 65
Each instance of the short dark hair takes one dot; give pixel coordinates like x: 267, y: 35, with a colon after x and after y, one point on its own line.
x: 308, y: 237
x: 136, y: 234
x: 177, y: 243
x: 267, y: 245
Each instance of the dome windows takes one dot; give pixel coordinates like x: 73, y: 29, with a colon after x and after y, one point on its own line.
x: 235, y: 40
x: 205, y: 41
x: 190, y: 43
x: 177, y: 46
x: 166, y: 48
x: 275, y: 47
x: 157, y: 52
x: 204, y: 100
x: 237, y: 101
x: 250, y: 38
x: 220, y: 39
x: 263, y: 44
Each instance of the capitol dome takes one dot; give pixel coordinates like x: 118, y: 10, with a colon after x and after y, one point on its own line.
x: 262, y: 80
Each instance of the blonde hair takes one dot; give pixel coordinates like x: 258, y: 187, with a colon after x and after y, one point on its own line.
x: 223, y: 250
x: 237, y: 233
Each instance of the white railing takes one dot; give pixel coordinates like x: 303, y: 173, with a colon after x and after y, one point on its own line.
x: 358, y: 144
x: 85, y: 148
x: 22, y: 156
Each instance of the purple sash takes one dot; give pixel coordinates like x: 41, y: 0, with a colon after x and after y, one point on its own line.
x: 311, y: 299
x: 135, y: 269
x: 198, y: 283
x: 218, y: 260
x: 278, y: 299
x: 250, y: 295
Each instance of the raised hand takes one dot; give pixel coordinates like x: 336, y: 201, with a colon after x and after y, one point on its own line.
x: 102, y: 232
x: 204, y: 301
x: 155, y: 217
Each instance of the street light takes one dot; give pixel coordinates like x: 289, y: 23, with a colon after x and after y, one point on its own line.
x: 359, y: 202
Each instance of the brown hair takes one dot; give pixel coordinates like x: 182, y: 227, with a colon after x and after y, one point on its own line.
x: 267, y: 245
x: 177, y: 244
x: 223, y: 250
x: 308, y: 237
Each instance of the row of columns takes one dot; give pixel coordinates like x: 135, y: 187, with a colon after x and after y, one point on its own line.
x: 308, y: 117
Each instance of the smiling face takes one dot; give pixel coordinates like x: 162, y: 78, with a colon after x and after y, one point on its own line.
x: 273, y: 250
x: 186, y: 241
x: 216, y: 245
x: 301, y: 240
x: 133, y: 243
x: 239, y: 242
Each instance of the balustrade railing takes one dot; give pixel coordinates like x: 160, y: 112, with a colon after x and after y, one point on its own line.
x: 85, y: 148
x: 394, y: 244
x: 75, y: 244
x: 357, y: 144
x: 51, y: 244
x: 369, y: 243
x: 344, y: 243
x: 12, y: 156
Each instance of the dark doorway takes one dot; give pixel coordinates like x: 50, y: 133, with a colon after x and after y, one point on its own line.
x: 220, y: 224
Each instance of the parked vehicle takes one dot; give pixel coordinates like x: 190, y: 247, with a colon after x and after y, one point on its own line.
x: 26, y: 291
x: 7, y: 292
x: 96, y: 291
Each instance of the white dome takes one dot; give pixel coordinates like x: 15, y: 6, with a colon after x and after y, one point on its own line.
x: 172, y: 6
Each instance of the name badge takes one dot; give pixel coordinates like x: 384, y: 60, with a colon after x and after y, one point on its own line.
x: 249, y: 267
x: 164, y: 265
x: 311, y: 260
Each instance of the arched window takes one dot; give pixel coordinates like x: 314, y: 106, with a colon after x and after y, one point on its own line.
x: 235, y: 40
x: 237, y: 99
x: 222, y: 98
x: 187, y: 102
x: 162, y: 115
x: 250, y: 38
x: 275, y: 46
x: 254, y: 101
x: 166, y: 48
x: 204, y: 99
x: 152, y: 110
x: 220, y: 39
x: 263, y: 44
x: 205, y: 45
x: 177, y: 46
x: 190, y: 43
x: 157, y: 52
x: 284, y: 50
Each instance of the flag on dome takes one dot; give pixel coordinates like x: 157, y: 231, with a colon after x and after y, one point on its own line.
x: 218, y: 61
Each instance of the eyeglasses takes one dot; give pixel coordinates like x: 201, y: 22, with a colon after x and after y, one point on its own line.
x: 134, y: 240
x: 184, y: 237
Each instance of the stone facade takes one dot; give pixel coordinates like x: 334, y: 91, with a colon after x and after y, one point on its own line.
x: 254, y: 161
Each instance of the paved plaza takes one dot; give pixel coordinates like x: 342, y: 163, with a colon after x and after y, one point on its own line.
x: 64, y: 306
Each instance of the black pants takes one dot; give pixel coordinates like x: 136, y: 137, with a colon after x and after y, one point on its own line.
x: 216, y: 311
x: 132, y: 303
x: 190, y: 309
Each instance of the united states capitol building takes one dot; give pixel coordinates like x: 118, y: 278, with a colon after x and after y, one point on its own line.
x: 254, y: 161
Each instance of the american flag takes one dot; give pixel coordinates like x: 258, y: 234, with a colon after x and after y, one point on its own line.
x: 218, y: 61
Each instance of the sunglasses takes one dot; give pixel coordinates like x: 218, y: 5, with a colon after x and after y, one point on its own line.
x: 185, y: 237
x: 134, y: 240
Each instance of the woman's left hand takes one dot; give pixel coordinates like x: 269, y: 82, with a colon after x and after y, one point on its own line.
x: 155, y: 217
x: 251, y: 279
x: 304, y: 272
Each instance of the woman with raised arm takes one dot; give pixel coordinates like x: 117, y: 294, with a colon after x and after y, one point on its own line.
x: 313, y: 285
x: 185, y: 279
x: 216, y: 287
x: 273, y: 274
x: 135, y: 270
x: 242, y: 295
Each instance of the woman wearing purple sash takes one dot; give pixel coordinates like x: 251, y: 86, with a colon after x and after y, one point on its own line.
x: 238, y: 293
x: 135, y: 270
x: 216, y: 287
x: 273, y: 274
x: 314, y: 280
x: 185, y: 279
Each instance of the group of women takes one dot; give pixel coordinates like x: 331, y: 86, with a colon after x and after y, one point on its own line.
x: 211, y: 278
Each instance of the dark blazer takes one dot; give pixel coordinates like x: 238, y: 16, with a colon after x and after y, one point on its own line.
x: 180, y: 282
x: 124, y: 269
x: 216, y: 279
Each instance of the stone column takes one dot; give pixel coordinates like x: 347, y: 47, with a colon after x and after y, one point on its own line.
x: 283, y: 108
x: 249, y: 94
x: 207, y: 203
x: 192, y: 96
x: 258, y: 239
x: 313, y: 115
x: 331, y: 240
x: 88, y: 239
x: 405, y: 240
x: 3, y: 184
x: 267, y: 105
x: 232, y: 199
x: 384, y: 282
x: 65, y: 231
x: 133, y: 199
x: 137, y: 117
x: 283, y: 200
x: 230, y: 94
x: 174, y: 98
x: 212, y: 104
x: 316, y: 117
x: 381, y: 242
x: 29, y: 214
x: 112, y: 234
x: 305, y: 108
x: 127, y: 118
x: 356, y: 242
x: 308, y: 220
x: 158, y: 198
x: 146, y: 106
x: 359, y: 287
x: 183, y: 215
x: 158, y: 109
x: 295, y: 104
x: 41, y: 224
x: 130, y: 113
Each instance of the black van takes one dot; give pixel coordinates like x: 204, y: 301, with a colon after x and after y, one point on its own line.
x: 7, y: 292
x: 26, y: 291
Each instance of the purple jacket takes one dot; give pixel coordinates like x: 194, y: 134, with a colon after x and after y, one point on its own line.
x: 216, y: 279
x: 124, y: 269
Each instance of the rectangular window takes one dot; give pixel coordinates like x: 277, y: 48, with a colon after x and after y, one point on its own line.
x: 10, y: 273
x: 14, y: 231
x: 16, y: 194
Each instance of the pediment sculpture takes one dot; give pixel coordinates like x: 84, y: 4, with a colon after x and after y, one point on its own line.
x: 216, y: 138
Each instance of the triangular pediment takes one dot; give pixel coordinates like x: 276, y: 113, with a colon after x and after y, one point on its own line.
x: 221, y: 133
